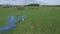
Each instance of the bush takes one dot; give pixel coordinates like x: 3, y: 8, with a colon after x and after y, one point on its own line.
x: 33, y: 5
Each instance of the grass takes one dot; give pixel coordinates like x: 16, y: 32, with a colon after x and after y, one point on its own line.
x: 39, y: 20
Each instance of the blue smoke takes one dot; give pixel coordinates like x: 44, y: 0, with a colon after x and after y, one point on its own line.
x: 13, y: 22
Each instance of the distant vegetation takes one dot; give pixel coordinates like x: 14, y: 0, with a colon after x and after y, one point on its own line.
x: 16, y: 6
x: 33, y: 5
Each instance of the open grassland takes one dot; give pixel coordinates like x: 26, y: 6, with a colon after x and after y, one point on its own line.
x: 39, y: 20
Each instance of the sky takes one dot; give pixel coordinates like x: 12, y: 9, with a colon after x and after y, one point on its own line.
x: 17, y: 2
x: 25, y: 2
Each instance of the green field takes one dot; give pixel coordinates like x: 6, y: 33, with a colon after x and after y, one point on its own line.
x: 39, y: 20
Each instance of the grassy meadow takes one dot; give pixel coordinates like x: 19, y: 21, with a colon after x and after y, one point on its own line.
x: 39, y: 20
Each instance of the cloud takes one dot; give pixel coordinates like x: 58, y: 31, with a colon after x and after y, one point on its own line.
x: 25, y: 2
x: 16, y: 2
